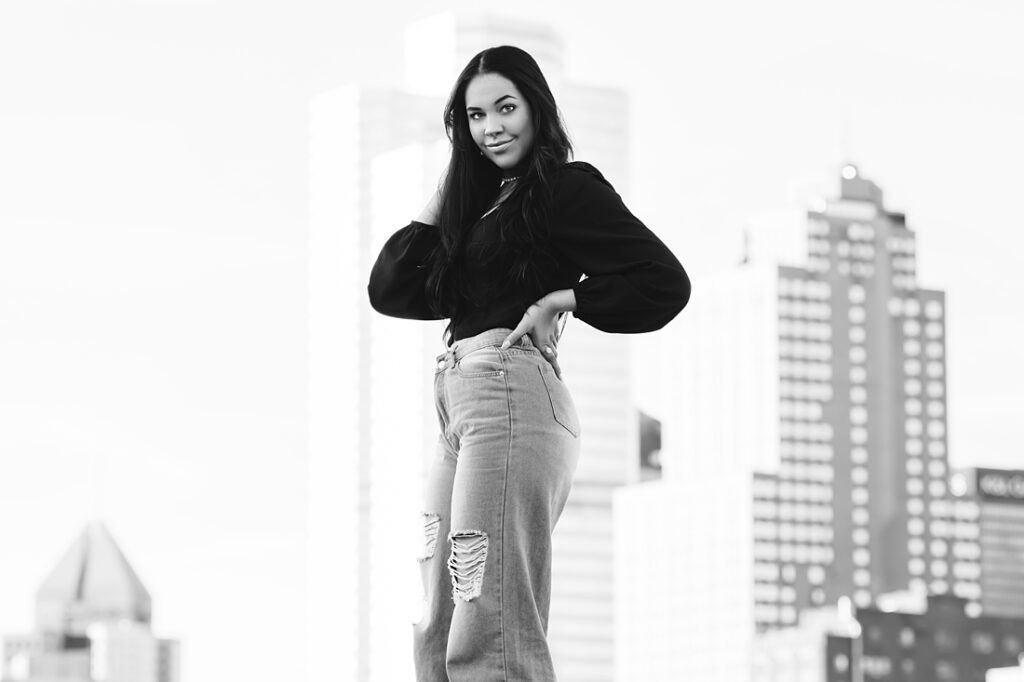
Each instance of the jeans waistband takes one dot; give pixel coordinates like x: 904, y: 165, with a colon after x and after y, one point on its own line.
x: 491, y: 337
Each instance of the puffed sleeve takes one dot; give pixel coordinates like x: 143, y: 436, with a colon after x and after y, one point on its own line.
x: 633, y: 282
x: 398, y: 280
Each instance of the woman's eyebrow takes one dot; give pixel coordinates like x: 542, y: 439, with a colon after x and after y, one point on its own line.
x: 497, y: 101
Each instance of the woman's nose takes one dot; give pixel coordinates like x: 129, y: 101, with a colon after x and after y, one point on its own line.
x: 493, y: 126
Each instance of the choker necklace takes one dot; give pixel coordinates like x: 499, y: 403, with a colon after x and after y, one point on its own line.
x: 505, y: 181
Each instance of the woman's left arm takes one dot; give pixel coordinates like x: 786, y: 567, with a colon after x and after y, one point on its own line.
x: 634, y: 282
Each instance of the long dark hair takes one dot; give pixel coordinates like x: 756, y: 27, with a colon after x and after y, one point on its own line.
x: 473, y: 182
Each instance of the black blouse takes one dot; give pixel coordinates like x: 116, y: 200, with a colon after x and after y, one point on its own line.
x: 633, y: 282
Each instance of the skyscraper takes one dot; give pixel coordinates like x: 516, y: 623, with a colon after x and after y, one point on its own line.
x: 822, y: 383
x: 92, y: 622
x: 375, y: 157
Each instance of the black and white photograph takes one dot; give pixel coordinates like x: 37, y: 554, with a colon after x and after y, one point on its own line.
x: 514, y: 342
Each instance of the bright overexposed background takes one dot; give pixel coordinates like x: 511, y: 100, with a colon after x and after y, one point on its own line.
x: 153, y: 170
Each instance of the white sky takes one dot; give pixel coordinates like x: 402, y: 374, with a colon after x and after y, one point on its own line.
x: 152, y: 244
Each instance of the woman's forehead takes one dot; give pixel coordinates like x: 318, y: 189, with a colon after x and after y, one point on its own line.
x: 486, y: 89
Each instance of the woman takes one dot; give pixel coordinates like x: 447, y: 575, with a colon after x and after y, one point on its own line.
x: 499, y: 251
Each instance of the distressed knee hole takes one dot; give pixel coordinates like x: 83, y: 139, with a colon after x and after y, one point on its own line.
x: 466, y: 563
x: 431, y: 523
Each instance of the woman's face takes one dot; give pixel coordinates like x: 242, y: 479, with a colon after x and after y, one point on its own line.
x: 499, y: 120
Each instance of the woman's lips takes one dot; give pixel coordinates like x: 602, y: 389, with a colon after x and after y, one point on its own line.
x: 500, y: 147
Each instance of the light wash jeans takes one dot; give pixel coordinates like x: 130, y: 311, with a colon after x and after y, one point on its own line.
x: 506, y: 455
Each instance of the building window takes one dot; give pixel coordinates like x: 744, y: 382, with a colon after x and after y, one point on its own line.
x: 915, y: 486
x: 915, y: 506
x: 939, y: 548
x: 933, y: 330
x: 913, y: 426
x: 945, y: 670
x: 937, y: 468
x: 914, y: 466
x: 840, y: 663
x: 859, y: 495
x: 1012, y: 645
x: 911, y: 307
x: 933, y: 310
x: 912, y: 387
x: 862, y: 598
x: 912, y: 347
x: 916, y: 546
x: 915, y: 526
x: 983, y: 642
x: 907, y: 637
x: 911, y: 328
x: 937, y: 488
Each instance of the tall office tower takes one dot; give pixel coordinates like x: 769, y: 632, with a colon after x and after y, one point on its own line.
x: 823, y: 382
x: 92, y: 623
x: 985, y: 531
x: 862, y: 472
x: 376, y: 156
x: 683, y: 578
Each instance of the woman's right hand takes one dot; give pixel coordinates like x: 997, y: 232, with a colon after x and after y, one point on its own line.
x: 428, y: 216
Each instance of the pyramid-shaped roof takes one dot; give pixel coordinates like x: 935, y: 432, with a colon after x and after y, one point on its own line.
x: 93, y: 582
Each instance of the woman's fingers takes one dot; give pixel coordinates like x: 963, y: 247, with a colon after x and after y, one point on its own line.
x: 524, y: 326
x: 554, y: 364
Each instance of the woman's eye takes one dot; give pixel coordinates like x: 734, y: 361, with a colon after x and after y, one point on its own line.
x: 474, y: 116
x: 509, y: 107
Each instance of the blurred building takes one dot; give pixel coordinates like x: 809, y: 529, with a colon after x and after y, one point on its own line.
x: 92, y: 623
x: 823, y: 384
x: 683, y: 578
x: 840, y: 409
x: 987, y: 527
x: 907, y: 638
x: 800, y: 653
x: 376, y: 156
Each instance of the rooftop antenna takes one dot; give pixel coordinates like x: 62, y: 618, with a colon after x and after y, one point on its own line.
x: 99, y: 482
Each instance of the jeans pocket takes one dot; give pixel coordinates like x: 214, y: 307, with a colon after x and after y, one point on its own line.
x: 483, y: 362
x: 562, y: 406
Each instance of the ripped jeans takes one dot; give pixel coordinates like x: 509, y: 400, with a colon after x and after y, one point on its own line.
x: 506, y: 455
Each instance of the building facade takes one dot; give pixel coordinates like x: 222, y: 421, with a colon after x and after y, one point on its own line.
x: 987, y: 532
x: 93, y: 623
x: 825, y: 383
